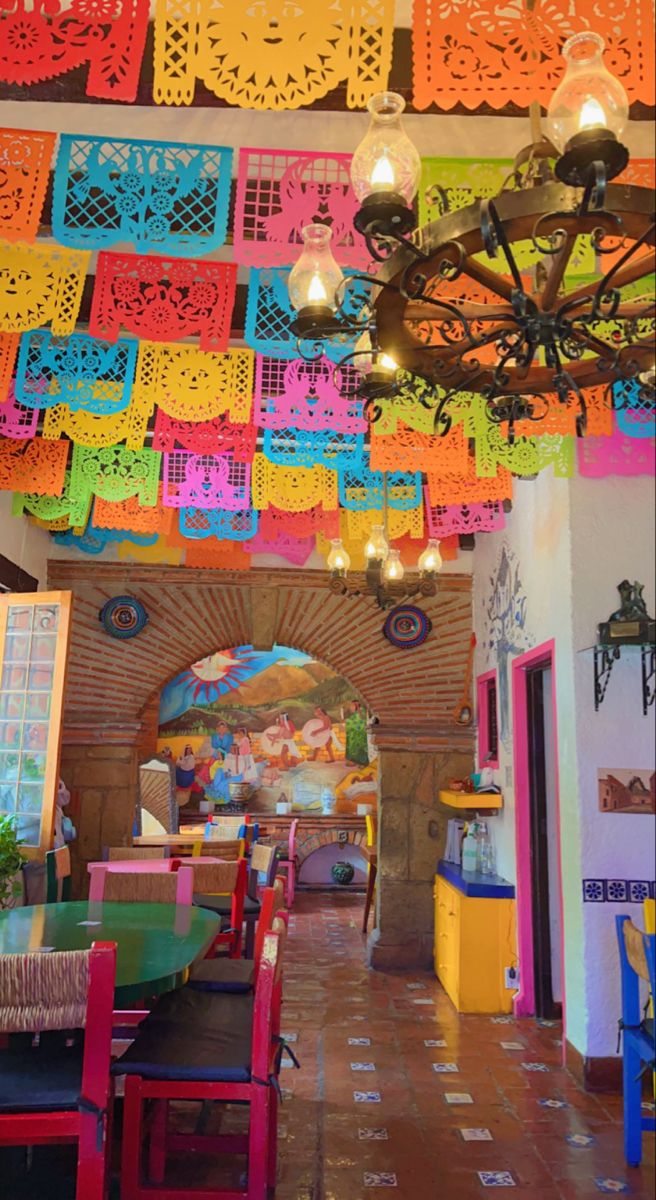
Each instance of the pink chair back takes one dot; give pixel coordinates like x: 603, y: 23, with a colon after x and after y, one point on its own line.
x: 292, y: 838
x: 98, y: 870
x: 141, y: 887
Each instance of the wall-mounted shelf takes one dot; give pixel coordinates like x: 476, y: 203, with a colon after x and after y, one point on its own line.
x: 472, y: 801
x: 606, y: 655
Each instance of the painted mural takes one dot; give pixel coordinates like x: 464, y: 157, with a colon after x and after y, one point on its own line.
x: 270, y: 726
x: 505, y: 632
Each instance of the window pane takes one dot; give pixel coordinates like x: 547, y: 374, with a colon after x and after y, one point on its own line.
x: 11, y: 706
x: 17, y: 647
x: 46, y: 618
x: 9, y: 735
x: 35, y: 735
x: 19, y: 618
x: 40, y: 677
x: 30, y: 797
x: 37, y: 706
x: 33, y: 766
x: 8, y: 767
x: 7, y: 797
x: 29, y: 829
x: 13, y: 678
x: 43, y: 647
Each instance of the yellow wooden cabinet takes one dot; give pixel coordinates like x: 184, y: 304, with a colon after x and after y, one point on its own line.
x: 474, y: 939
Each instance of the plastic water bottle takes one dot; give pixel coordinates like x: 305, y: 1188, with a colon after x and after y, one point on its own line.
x: 470, y: 850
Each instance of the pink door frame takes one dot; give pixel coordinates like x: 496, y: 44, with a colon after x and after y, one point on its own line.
x: 544, y: 655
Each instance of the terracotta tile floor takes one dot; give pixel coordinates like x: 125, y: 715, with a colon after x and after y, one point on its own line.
x: 350, y: 1131
x: 370, y: 1110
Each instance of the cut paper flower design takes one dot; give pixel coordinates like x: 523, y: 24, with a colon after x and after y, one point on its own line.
x: 40, y: 285
x: 364, y: 489
x: 292, y: 489
x: 114, y: 473
x: 24, y: 167
x: 476, y: 52
x: 53, y: 511
x: 89, y: 429
x: 130, y: 514
x: 79, y: 371
x: 52, y: 37
x: 170, y: 197
x: 218, y: 436
x: 33, y: 466
x: 274, y: 55
x: 298, y: 447
x: 294, y: 550
x: 280, y: 191
x: 616, y: 455
x: 164, y: 299
x: 276, y: 522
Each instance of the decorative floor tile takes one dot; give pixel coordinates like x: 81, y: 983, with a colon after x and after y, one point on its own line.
x: 475, y: 1135
x: 367, y: 1097
x: 379, y: 1179
x: 553, y: 1103
x: 458, y: 1098
x: 373, y: 1135
x: 531, y: 1066
x: 416, y: 987
x: 542, y: 1024
x: 580, y: 1140
x: 502, y: 1020
x: 649, y: 1106
x: 434, y: 1043
x: 512, y: 1045
x: 289, y: 1037
x: 612, y: 1187
x: 363, y: 1066
x: 358, y: 1041
x: 446, y: 1068
x: 423, y: 1001
x: 496, y: 1179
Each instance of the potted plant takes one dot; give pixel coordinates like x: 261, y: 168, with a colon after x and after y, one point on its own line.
x: 11, y: 861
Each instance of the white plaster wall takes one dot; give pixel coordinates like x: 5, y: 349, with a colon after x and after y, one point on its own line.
x: 537, y: 533
x: 22, y: 543
x: 612, y: 526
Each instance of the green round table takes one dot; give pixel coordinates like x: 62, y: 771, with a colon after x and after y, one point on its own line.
x: 155, y: 943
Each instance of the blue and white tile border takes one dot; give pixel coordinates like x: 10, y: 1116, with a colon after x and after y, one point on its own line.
x: 618, y: 891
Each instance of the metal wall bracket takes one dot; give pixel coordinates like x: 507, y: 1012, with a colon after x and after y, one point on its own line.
x: 648, y: 658
x: 604, y: 658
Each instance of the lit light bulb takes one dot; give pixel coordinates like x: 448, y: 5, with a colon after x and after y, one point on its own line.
x: 338, y: 557
x: 382, y: 176
x: 592, y: 114
x: 377, y: 546
x: 384, y: 360
x: 430, y: 558
x: 315, y: 277
x: 393, y: 568
x: 316, y: 293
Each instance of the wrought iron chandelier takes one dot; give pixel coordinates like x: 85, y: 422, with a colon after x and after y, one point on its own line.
x: 439, y: 315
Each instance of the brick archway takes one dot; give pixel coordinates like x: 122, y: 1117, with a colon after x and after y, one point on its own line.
x: 111, y: 685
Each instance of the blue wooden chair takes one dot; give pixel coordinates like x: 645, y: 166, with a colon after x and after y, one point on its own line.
x: 637, y: 959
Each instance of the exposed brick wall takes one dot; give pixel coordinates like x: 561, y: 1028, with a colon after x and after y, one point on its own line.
x: 112, y: 690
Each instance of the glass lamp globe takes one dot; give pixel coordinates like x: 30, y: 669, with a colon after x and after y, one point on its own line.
x: 430, y: 558
x: 376, y: 546
x: 588, y: 112
x: 385, y: 167
x: 393, y: 568
x: 315, y: 278
x: 338, y: 557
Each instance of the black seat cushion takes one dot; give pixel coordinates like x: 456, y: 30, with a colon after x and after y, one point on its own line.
x: 193, y: 1035
x: 223, y: 904
x: 223, y: 975
x: 40, y: 1078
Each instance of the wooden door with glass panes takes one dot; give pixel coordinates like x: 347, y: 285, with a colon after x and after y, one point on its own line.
x: 34, y: 630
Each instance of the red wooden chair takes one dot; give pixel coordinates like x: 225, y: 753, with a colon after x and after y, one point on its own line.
x: 60, y: 1089
x: 221, y: 887
x: 287, y: 863
x: 199, y: 1046
x: 239, y: 974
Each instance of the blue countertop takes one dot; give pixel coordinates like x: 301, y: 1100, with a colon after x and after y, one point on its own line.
x: 472, y: 883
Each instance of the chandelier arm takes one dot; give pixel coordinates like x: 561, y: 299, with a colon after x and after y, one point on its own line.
x: 625, y: 275
x: 456, y: 349
x: 498, y: 284
x: 494, y: 235
x: 623, y: 267
x: 555, y: 277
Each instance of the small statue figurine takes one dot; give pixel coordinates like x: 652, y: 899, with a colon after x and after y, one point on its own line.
x: 631, y: 621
